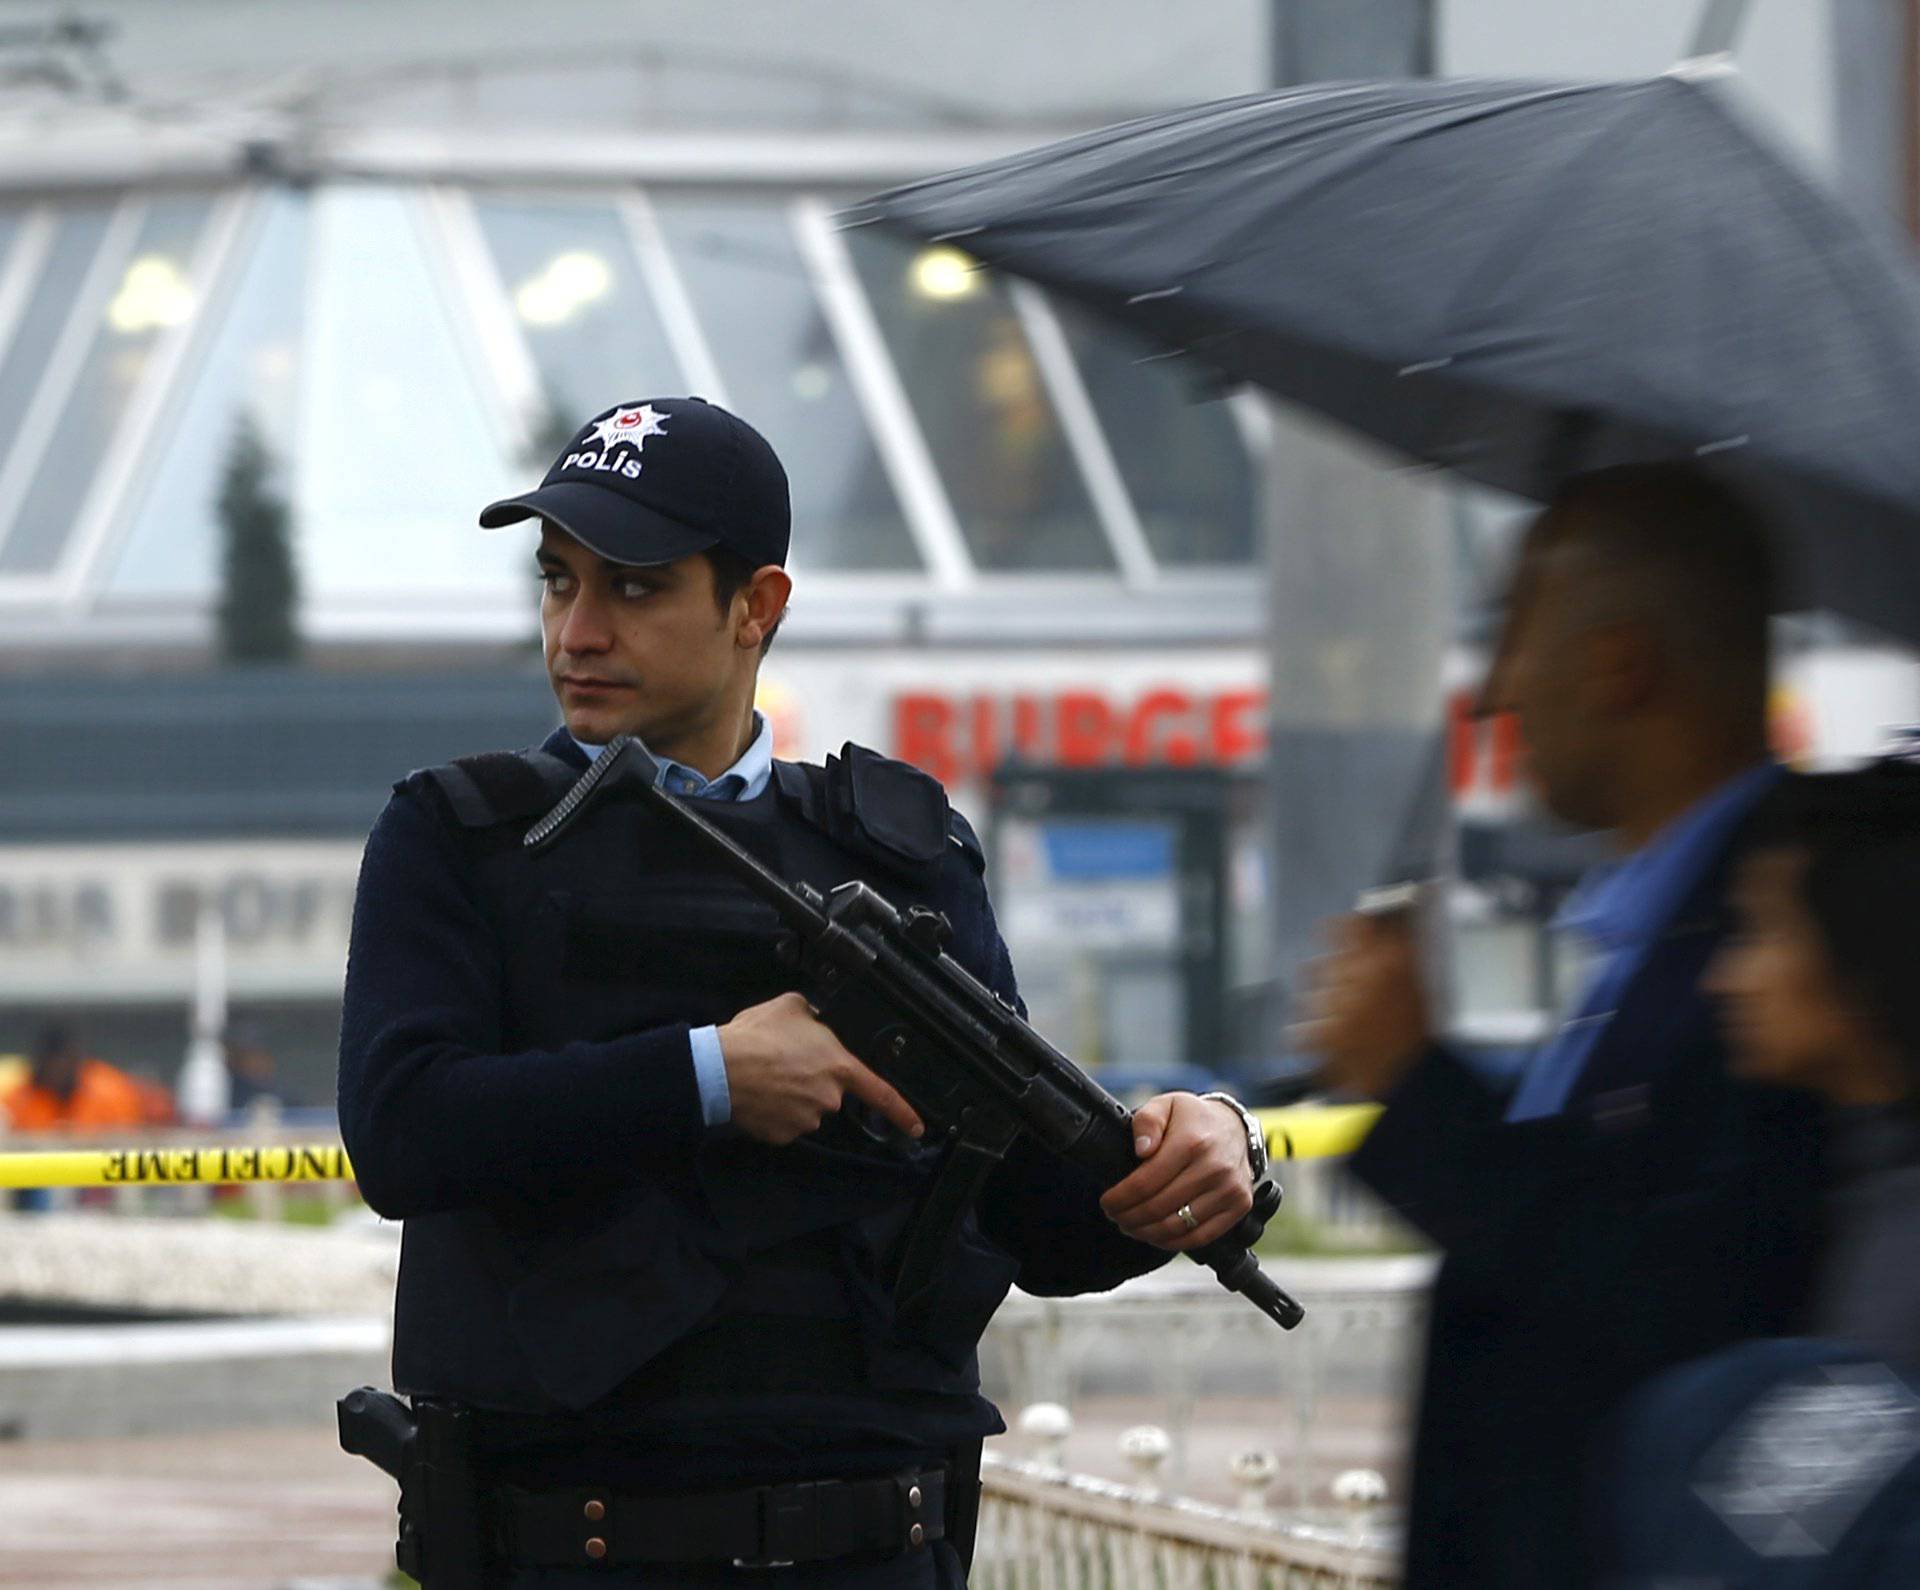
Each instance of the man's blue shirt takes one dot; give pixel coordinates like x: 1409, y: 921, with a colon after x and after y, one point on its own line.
x: 1620, y: 910
x: 741, y: 782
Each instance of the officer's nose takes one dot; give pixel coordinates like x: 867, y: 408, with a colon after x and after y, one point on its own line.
x: 585, y: 629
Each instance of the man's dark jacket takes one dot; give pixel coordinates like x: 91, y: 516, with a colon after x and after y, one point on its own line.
x: 516, y: 1083
x: 1665, y: 1212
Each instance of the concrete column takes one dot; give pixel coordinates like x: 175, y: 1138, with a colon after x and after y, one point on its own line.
x: 1323, y: 41
x: 1876, y: 72
x: 1361, y: 604
x: 1361, y: 610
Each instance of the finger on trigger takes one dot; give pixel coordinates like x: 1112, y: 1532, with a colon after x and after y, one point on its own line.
x: 881, y: 1094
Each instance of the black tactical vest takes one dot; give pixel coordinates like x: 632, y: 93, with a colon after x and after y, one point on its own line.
x: 739, y: 1267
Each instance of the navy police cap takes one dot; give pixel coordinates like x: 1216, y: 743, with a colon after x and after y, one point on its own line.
x: 658, y: 479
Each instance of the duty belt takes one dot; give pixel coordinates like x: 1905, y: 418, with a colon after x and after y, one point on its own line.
x: 767, y: 1526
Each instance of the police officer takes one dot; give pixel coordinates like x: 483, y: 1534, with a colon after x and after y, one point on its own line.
x: 650, y: 1201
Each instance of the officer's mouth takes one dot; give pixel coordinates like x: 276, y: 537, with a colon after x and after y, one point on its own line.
x: 586, y: 685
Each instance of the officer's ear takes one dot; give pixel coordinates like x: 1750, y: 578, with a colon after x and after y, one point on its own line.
x: 766, y: 594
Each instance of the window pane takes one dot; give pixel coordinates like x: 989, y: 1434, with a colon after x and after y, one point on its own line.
x: 783, y: 373
x: 396, y: 451
x: 76, y: 237
x: 10, y: 223
x: 173, y: 548
x: 589, y: 321
x: 154, y: 294
x: 980, y: 401
x: 1182, y: 458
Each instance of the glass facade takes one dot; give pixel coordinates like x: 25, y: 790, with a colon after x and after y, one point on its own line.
x: 249, y: 376
x: 779, y: 364
x: 1181, y: 456
x: 582, y: 306
x: 407, y: 353
x: 130, y: 307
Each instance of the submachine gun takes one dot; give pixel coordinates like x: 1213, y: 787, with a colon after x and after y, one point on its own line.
x: 967, y: 1062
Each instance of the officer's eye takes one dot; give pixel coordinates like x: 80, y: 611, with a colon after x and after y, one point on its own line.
x: 631, y: 590
x: 556, y: 581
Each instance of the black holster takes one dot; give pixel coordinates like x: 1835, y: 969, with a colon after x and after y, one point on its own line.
x: 963, y: 1500
x: 428, y: 1448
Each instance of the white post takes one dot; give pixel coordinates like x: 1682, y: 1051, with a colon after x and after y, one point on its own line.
x: 1254, y: 1472
x: 202, y: 1092
x: 1047, y: 1425
x: 1145, y: 1447
x: 267, y: 1199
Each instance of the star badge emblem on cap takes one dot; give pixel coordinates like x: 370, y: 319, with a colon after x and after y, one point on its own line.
x: 632, y: 426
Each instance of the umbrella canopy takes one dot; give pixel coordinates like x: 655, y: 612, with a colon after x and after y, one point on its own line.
x: 1512, y: 280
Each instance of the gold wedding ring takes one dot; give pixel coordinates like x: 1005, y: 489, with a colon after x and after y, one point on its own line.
x: 1185, y: 1212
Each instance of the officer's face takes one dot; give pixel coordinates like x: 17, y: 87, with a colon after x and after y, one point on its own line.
x: 642, y: 651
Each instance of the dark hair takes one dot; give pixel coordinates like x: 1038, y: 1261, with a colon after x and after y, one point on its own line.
x: 52, y: 1041
x: 1860, y: 832
x: 731, y: 572
x: 1703, y: 559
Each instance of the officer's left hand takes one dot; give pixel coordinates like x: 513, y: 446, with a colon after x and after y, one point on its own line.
x: 1193, y: 1153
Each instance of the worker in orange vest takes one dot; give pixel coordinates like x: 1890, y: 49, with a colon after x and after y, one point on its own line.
x: 67, y: 1090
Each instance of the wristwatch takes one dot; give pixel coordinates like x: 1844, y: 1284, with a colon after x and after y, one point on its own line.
x: 1256, y: 1139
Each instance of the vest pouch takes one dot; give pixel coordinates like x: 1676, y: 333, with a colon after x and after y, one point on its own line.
x: 759, y: 1195
x: 947, y: 1327
x: 701, y: 950
x: 603, y: 1304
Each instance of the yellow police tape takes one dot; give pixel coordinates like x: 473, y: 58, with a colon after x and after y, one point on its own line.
x: 1316, y: 1131
x: 1301, y: 1131
x: 177, y: 1167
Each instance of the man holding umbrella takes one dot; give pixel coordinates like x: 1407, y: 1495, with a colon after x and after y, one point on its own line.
x: 1529, y: 285
x: 1626, y: 1206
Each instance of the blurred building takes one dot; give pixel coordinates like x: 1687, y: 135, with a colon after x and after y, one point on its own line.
x: 406, y: 247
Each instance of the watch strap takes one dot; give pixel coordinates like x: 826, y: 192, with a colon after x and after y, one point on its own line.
x: 1256, y: 1139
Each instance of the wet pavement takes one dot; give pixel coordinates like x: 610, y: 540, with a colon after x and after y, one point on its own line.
x: 285, y: 1509
x: 240, y: 1510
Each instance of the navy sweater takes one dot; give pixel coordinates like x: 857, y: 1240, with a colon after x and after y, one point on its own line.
x: 438, y: 1115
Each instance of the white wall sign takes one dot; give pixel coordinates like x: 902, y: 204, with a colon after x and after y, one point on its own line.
x: 116, y: 922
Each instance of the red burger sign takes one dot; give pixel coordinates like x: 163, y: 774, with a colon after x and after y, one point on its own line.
x: 962, y: 736
x: 958, y: 738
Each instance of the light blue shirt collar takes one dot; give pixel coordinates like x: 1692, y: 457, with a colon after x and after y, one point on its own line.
x: 741, y: 782
x: 1629, y: 902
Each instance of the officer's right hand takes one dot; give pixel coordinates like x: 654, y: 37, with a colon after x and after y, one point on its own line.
x: 786, y: 1072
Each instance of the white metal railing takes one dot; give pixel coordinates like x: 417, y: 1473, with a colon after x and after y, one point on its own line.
x: 1041, y: 1529
x: 1176, y: 1349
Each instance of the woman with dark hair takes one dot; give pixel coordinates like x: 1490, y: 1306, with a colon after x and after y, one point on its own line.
x: 1818, y: 991
x: 1796, y: 1463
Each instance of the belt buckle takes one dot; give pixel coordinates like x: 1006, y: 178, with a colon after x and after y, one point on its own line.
x: 785, y: 1517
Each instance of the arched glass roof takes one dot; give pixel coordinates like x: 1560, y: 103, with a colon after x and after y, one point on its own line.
x: 409, y: 350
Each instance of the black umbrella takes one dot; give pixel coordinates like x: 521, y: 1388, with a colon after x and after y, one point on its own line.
x: 1511, y: 280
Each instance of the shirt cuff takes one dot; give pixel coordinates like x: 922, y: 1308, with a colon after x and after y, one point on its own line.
x: 710, y: 1073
